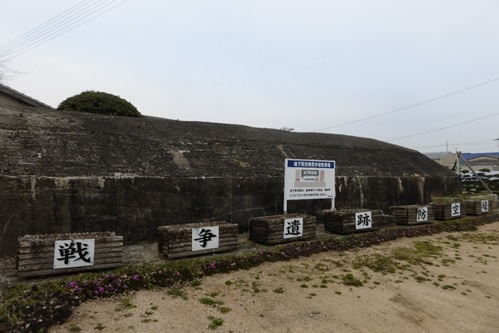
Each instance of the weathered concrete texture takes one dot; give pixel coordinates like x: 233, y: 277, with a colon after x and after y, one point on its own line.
x: 64, y: 172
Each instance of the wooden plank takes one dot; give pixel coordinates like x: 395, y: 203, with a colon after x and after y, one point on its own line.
x: 37, y: 240
x: 173, y: 245
x: 50, y: 260
x: 50, y: 248
x: 188, y: 248
x: 46, y: 272
x: 202, y: 252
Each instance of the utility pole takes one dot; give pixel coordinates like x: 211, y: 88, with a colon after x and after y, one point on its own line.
x: 476, y: 175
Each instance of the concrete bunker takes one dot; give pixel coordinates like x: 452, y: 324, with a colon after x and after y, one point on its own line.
x: 63, y: 172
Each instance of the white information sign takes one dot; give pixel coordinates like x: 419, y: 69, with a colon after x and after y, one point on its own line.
x: 363, y: 220
x: 422, y: 214
x: 205, y: 238
x: 293, y: 227
x: 485, y: 206
x: 308, y: 180
x: 74, y: 253
x: 455, y: 209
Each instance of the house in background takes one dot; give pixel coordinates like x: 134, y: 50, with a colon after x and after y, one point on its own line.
x: 11, y: 97
x: 446, y: 159
x: 479, y: 161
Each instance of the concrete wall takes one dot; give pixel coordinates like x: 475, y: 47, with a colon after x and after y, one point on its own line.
x: 135, y: 206
x: 72, y: 172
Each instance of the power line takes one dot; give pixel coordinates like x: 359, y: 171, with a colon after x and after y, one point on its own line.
x: 24, y: 36
x: 442, y: 128
x: 75, y: 20
x: 490, y: 141
x: 411, y: 106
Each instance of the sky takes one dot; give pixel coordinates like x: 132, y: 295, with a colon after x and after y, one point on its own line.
x: 420, y: 74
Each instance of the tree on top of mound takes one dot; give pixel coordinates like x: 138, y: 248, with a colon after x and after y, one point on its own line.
x: 101, y: 103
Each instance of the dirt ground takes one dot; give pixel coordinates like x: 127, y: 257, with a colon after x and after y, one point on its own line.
x: 456, y: 290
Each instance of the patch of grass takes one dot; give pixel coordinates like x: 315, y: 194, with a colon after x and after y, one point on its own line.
x: 224, y: 309
x: 210, y: 301
x: 99, y: 327
x: 177, y: 292
x: 350, y: 280
x: 279, y: 290
x: 420, y: 279
x: 215, y: 322
x: 448, y: 287
x: 74, y: 327
x: 125, y: 304
x: 322, y: 267
x: 377, y: 263
x: 481, y: 238
x: 419, y: 254
x: 447, y: 261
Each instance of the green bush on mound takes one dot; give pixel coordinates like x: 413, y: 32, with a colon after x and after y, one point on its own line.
x: 101, y: 103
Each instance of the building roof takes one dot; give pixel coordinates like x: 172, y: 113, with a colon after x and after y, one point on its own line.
x: 471, y: 156
x: 22, y: 97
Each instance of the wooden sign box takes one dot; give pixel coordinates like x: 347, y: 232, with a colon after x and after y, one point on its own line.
x: 176, y: 241
x: 412, y: 214
x: 344, y: 221
x: 36, y: 254
x: 444, y: 211
x: 476, y: 207
x: 278, y: 229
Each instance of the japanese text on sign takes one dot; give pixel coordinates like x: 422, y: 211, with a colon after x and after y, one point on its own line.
x: 422, y: 214
x: 485, y: 206
x: 293, y: 227
x: 74, y: 253
x: 205, y: 238
x: 363, y: 220
x: 309, y: 179
x: 455, y: 209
